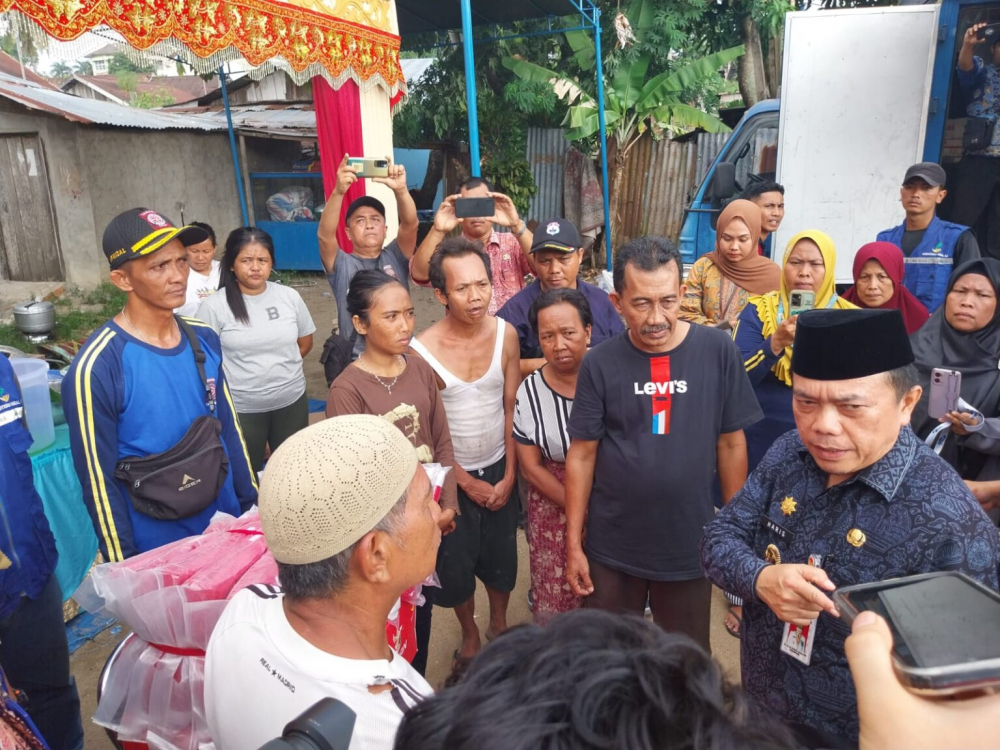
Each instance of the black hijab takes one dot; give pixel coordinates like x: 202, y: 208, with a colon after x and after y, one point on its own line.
x: 976, y: 354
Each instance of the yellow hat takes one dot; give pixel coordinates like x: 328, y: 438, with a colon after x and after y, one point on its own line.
x: 330, y: 484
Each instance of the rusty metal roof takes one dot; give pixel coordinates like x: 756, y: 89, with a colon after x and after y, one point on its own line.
x: 93, y: 112
x: 288, y: 119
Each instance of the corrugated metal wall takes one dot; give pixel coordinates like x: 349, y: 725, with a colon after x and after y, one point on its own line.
x: 709, y: 146
x: 547, y: 156
x: 660, y: 179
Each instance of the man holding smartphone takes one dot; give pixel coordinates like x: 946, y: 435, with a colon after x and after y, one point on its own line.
x: 366, y: 229
x: 977, y: 189
x: 852, y: 496
x: 507, y: 251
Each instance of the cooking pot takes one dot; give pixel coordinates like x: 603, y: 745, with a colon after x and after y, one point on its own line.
x: 34, y: 318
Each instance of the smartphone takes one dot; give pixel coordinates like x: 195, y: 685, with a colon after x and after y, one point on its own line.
x: 365, y: 167
x: 943, y: 627
x: 799, y: 301
x: 946, y: 385
x: 989, y: 34
x: 471, y: 208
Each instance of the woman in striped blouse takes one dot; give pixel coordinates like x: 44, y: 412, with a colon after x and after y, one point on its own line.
x: 562, y: 321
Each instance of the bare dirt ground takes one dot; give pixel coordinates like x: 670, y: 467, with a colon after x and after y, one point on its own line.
x: 445, y: 634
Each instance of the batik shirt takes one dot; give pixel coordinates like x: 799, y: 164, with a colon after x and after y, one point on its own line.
x: 982, y: 87
x: 917, y: 516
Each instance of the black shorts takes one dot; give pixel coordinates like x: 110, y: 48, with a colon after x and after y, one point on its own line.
x: 483, y: 545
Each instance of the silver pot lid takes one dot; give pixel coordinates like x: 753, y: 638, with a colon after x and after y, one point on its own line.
x: 29, y: 308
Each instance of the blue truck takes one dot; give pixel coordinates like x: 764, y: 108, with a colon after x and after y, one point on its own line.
x: 865, y: 93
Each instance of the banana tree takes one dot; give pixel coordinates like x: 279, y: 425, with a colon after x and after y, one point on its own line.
x: 633, y: 101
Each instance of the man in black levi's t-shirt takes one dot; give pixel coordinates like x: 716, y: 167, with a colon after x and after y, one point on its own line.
x: 658, y: 409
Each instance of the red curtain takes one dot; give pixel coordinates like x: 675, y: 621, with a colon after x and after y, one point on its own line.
x: 338, y: 130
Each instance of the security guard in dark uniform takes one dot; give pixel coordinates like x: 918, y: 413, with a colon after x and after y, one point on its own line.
x: 851, y: 496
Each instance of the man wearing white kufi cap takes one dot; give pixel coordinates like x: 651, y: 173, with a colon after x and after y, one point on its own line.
x: 349, y: 514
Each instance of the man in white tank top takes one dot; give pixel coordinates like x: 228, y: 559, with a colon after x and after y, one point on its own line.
x: 476, y: 361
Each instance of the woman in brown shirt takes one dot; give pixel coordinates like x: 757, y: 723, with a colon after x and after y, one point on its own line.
x: 385, y: 382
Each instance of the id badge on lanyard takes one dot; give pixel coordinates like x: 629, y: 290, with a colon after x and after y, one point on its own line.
x: 797, y: 640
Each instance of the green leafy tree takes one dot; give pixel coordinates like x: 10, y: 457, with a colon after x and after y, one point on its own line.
x: 436, y: 113
x: 634, y: 99
x: 152, y: 100
x: 61, y: 69
x: 120, y: 63
x: 19, y: 44
x: 127, y: 81
x: 83, y: 68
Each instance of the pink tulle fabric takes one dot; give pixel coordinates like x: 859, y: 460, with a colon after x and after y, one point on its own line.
x: 172, y: 598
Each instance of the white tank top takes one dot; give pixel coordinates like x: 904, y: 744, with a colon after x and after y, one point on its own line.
x: 475, y: 410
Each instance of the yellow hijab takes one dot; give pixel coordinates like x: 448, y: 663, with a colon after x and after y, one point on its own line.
x: 772, y: 308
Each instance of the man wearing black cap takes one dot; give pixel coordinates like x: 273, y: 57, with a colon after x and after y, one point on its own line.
x: 557, y: 252
x: 365, y: 226
x: 932, y: 247
x: 136, y: 389
x: 851, y: 496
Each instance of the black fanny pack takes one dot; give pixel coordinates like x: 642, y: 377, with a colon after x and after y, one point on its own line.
x: 184, y: 480
x: 978, y: 134
x: 180, y: 482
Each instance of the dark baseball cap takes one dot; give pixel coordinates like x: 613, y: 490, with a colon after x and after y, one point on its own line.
x: 141, y: 231
x: 556, y: 234
x: 362, y: 202
x: 928, y: 171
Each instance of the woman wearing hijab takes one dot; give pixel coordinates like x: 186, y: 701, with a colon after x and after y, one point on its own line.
x: 765, y: 331
x: 964, y: 335
x: 764, y: 334
x: 720, y: 283
x: 878, y: 282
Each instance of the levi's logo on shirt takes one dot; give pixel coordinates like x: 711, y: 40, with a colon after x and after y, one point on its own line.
x: 662, y: 389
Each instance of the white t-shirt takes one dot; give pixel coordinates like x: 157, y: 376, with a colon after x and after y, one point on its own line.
x: 199, y: 287
x: 262, y: 361
x: 260, y: 674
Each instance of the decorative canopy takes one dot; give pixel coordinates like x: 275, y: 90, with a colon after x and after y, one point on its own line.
x: 338, y: 39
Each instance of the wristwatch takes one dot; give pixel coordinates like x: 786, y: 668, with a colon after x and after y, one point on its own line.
x: 524, y: 228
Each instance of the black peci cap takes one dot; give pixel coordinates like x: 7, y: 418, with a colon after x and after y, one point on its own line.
x: 556, y: 234
x: 365, y: 200
x: 141, y: 231
x: 848, y: 344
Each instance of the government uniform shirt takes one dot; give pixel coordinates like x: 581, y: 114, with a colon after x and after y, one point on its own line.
x: 917, y: 516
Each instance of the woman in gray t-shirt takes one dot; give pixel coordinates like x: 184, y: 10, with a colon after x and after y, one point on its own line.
x: 265, y: 330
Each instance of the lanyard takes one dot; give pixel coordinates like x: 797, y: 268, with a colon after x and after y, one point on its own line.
x: 939, y: 435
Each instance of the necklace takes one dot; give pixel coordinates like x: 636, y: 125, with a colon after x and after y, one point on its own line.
x: 134, y: 329
x: 387, y: 386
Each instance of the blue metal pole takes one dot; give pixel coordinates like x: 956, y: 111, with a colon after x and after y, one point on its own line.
x: 470, y: 87
x: 604, y: 134
x: 232, y: 145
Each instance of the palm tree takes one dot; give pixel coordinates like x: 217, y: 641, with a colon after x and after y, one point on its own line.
x: 84, y: 68
x: 61, y: 69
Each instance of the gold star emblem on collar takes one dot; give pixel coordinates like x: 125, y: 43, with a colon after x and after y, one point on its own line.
x: 788, y: 505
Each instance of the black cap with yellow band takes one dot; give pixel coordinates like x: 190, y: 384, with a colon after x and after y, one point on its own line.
x: 141, y: 231
x: 556, y: 234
